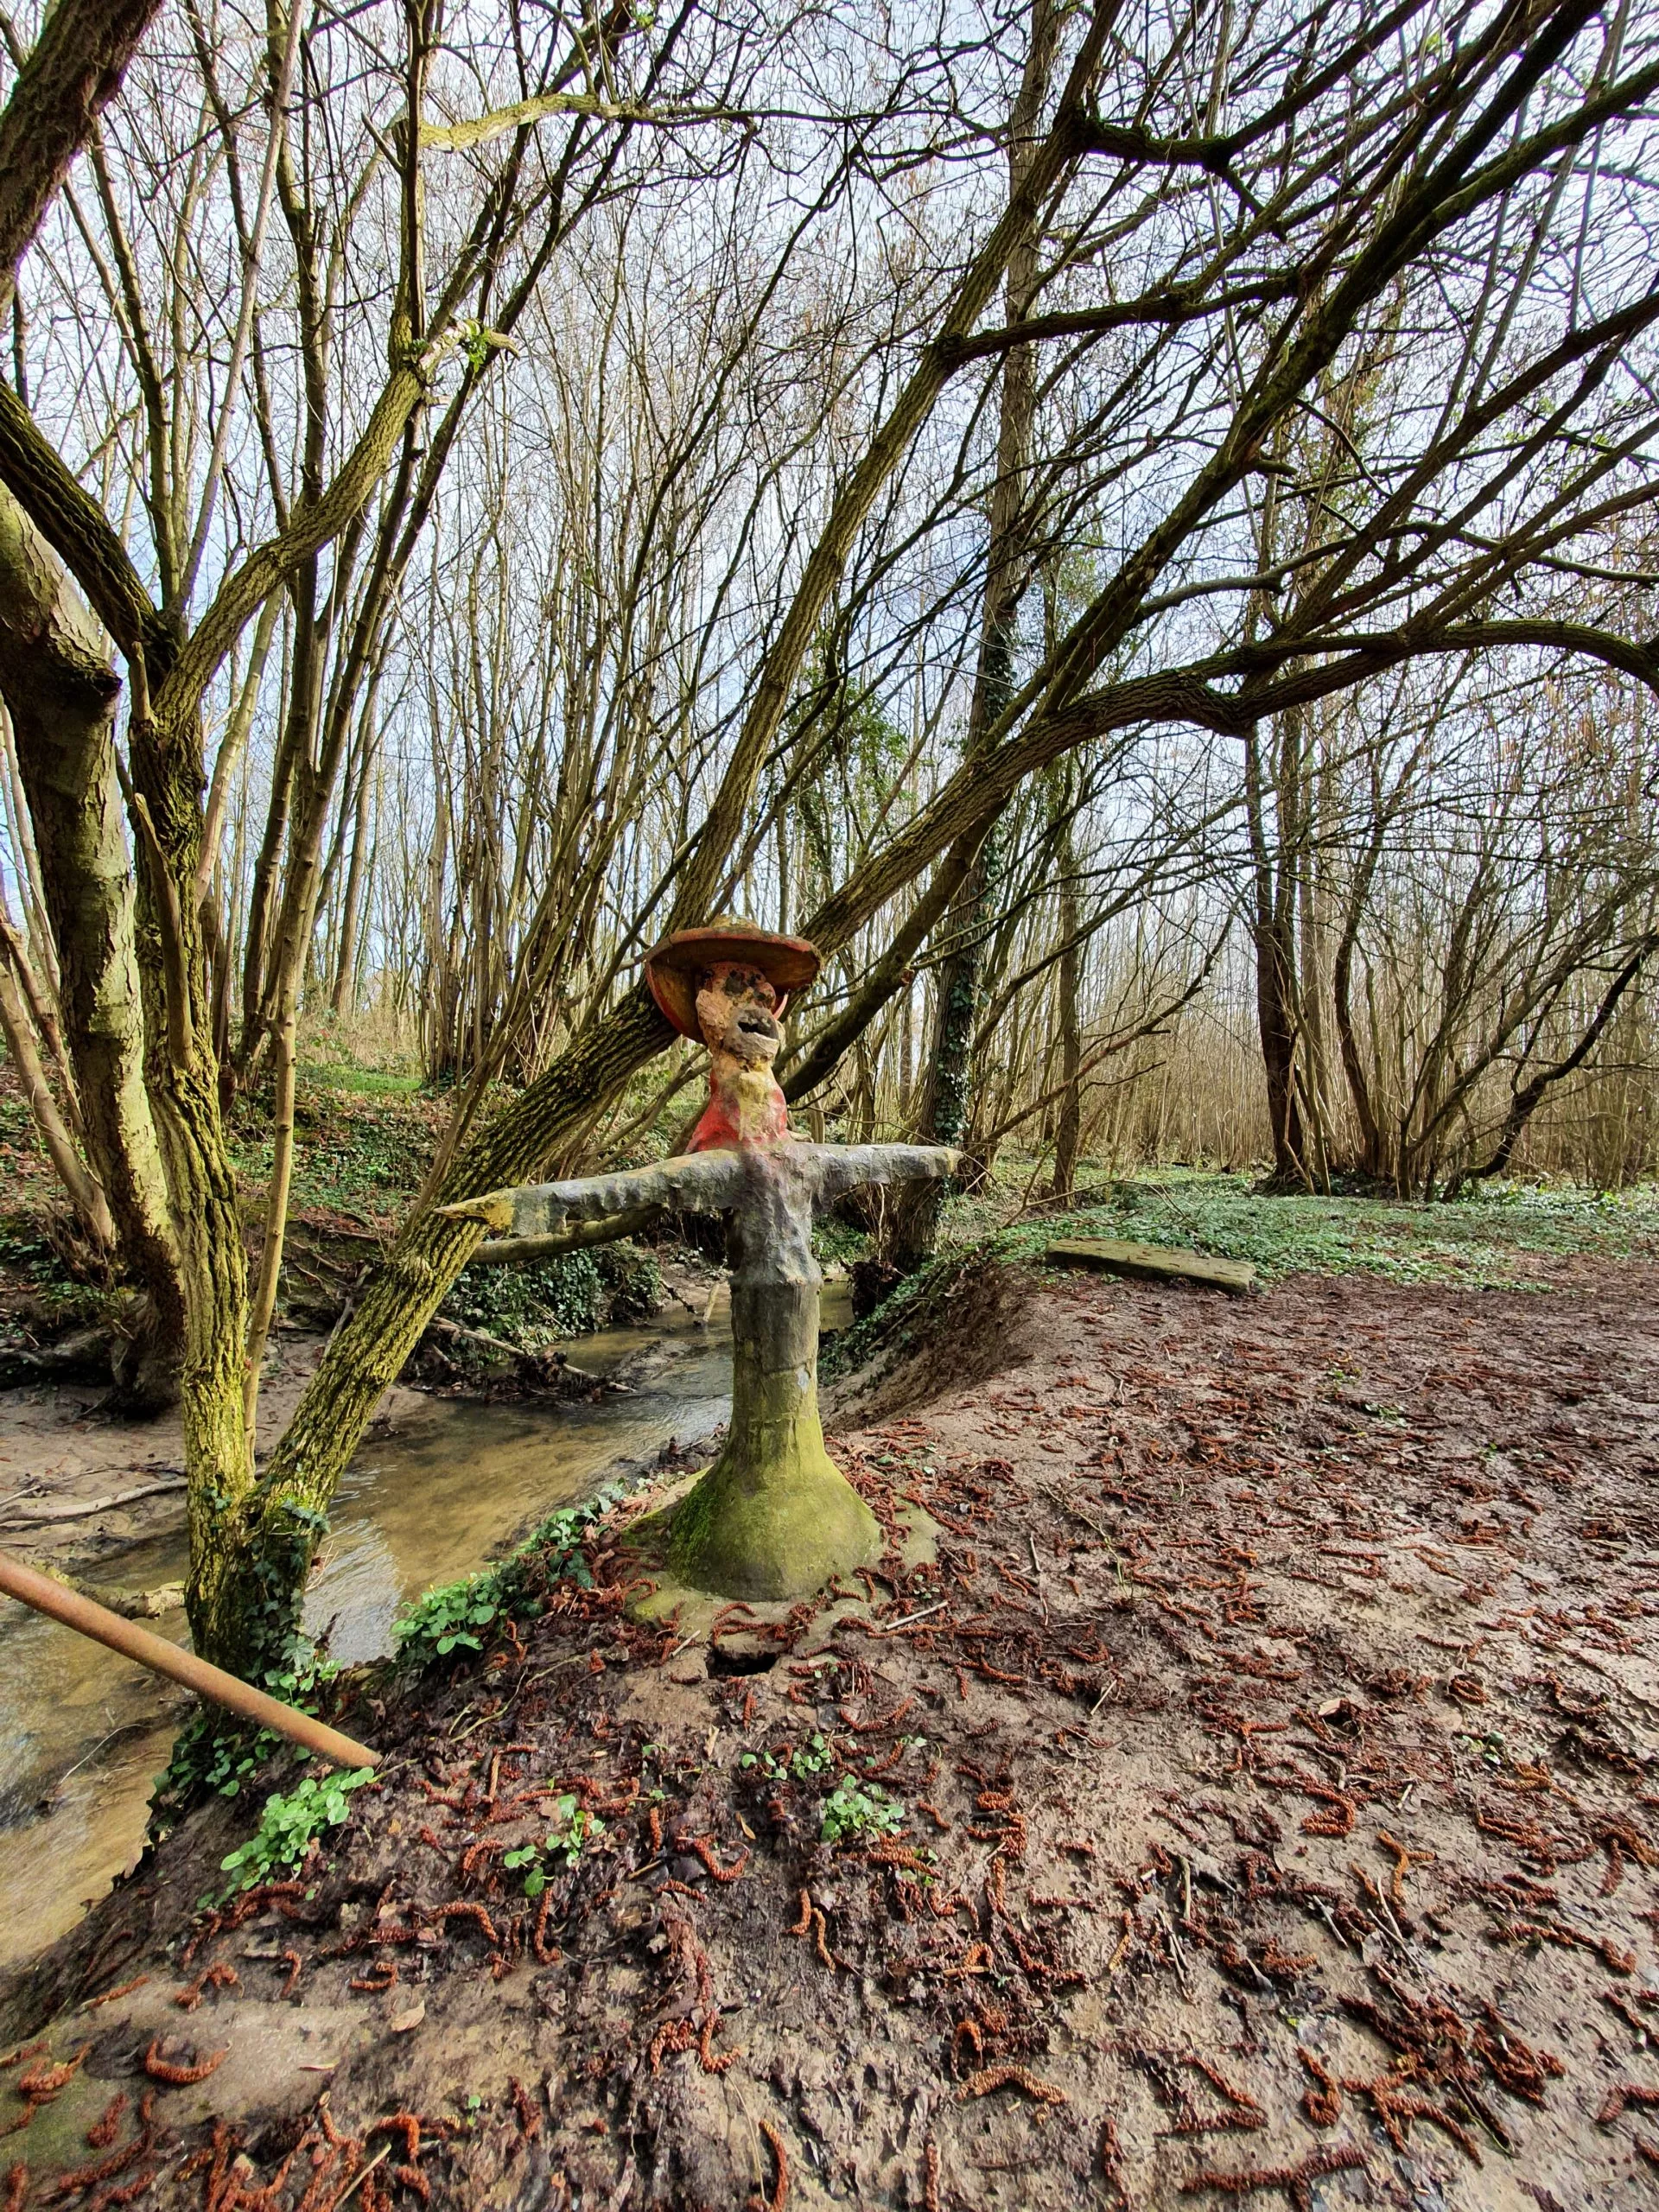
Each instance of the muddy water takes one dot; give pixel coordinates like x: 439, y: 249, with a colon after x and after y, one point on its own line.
x: 84, y: 1733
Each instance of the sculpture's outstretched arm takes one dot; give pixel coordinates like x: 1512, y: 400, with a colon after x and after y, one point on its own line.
x: 708, y: 1182
x: 845, y: 1166
x: 514, y: 1251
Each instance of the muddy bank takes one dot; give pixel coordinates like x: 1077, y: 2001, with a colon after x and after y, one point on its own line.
x: 1269, y: 1769
x: 439, y: 1485
x: 80, y: 1485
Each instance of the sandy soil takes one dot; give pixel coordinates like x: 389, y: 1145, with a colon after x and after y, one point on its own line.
x: 1276, y: 1737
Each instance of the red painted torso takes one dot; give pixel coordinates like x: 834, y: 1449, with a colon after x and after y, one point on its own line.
x: 722, y: 1128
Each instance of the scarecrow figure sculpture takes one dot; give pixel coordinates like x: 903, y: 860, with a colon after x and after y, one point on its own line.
x: 774, y: 1517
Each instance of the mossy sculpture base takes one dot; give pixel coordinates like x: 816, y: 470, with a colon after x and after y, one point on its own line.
x: 773, y: 1518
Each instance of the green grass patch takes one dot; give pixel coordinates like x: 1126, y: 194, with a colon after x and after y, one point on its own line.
x: 1490, y: 1242
x: 1481, y: 1241
x: 363, y: 1082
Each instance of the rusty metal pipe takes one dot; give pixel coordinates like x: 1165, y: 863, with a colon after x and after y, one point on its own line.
x: 162, y: 1658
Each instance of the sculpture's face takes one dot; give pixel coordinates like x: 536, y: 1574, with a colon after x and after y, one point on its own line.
x: 735, y: 1012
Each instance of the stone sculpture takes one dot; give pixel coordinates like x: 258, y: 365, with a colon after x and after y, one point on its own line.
x: 774, y: 1517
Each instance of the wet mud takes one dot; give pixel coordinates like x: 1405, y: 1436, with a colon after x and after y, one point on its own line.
x: 1259, y: 1791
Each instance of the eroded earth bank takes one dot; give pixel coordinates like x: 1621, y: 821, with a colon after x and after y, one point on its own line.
x: 1252, y: 1803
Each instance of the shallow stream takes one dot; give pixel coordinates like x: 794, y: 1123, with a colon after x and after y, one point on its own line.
x: 84, y: 1733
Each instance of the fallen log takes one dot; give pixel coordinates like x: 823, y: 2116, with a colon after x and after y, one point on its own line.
x: 84, y: 1355
x: 133, y: 1604
x: 85, y: 1507
x: 548, y: 1369
x: 1152, y: 1262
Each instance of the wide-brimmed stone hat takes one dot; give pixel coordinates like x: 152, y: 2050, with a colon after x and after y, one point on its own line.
x: 672, y: 967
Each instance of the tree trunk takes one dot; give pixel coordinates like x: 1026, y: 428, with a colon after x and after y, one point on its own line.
x: 226, y: 1612
x: 255, y: 943
x: 1371, y: 1162
x: 1276, y: 1022
x: 913, y: 1232
x: 1273, y: 934
x: 61, y: 690
x: 265, y: 1579
x: 344, y: 985
x: 1068, y: 1131
x: 85, y: 1194
x: 285, y: 1054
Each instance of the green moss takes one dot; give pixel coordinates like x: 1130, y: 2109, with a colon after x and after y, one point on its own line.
x: 780, y: 1532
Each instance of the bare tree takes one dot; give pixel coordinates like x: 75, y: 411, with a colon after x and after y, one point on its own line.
x: 1321, y: 351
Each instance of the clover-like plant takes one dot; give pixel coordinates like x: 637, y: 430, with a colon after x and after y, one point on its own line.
x: 576, y: 1830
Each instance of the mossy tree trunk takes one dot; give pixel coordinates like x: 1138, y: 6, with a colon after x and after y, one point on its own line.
x: 913, y: 1228
x: 1068, y: 990
x: 366, y: 1353
x: 60, y: 689
x: 181, y: 1078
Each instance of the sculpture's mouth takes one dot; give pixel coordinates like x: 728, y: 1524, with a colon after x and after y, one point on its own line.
x: 754, y: 1034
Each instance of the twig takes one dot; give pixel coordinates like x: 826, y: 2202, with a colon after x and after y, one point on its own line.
x: 358, y: 2179
x: 891, y: 1628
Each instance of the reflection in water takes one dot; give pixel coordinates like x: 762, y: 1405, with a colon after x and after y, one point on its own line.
x: 83, y: 1733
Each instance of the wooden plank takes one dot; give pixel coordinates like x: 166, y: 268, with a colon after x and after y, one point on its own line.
x: 1152, y: 1262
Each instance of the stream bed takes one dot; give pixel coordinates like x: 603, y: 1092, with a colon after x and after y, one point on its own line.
x: 84, y: 1733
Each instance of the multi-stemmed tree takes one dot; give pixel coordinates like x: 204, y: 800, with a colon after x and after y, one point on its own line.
x: 1180, y: 246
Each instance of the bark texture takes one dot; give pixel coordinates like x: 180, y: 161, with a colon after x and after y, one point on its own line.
x: 86, y: 1194
x: 1068, y: 1125
x: 227, y: 1609
x: 61, y: 690
x: 76, y: 64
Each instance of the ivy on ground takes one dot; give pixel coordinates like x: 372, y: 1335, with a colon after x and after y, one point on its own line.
x: 289, y: 1825
x: 452, y: 1617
